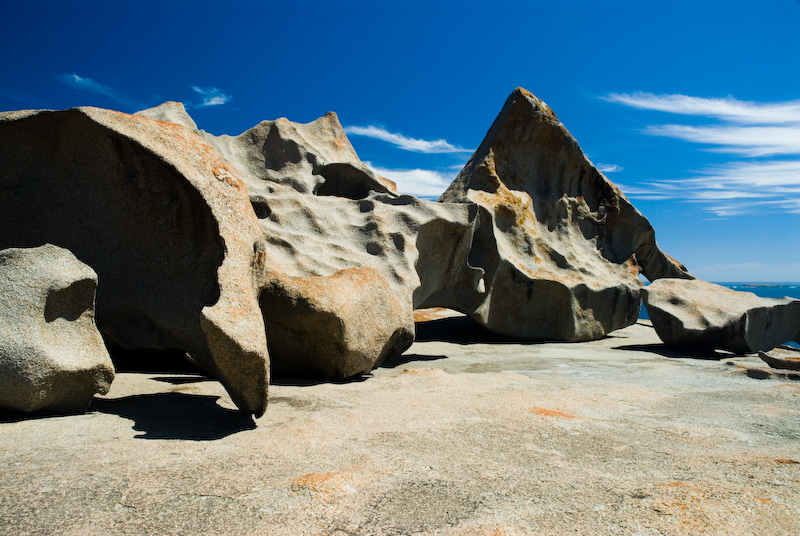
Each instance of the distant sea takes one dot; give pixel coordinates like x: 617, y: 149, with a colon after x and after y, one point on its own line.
x: 765, y: 290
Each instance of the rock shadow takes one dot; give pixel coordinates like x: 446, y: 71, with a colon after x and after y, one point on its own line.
x: 461, y: 330
x: 176, y: 416
x: 151, y: 361
x: 673, y: 352
x: 181, y: 380
x: 404, y: 359
x: 8, y: 415
x: 310, y: 381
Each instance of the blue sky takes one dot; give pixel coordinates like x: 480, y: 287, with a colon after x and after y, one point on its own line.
x: 693, y: 108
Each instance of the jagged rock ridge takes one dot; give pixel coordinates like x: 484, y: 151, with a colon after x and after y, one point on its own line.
x: 561, y: 246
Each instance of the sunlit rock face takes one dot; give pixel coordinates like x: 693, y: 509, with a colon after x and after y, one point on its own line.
x: 704, y: 315
x: 330, y: 327
x: 561, y: 247
x: 52, y: 357
x: 161, y: 218
x: 324, y: 213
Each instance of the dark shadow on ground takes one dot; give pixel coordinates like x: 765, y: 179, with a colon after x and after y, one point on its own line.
x: 151, y: 361
x: 679, y: 353
x: 461, y: 330
x: 176, y: 416
x: 311, y: 381
x: 181, y: 380
x: 408, y: 358
x: 11, y: 415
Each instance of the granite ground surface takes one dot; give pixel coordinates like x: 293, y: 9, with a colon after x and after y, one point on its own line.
x: 466, y: 434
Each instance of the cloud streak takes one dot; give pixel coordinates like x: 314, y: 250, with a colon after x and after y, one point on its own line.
x: 87, y: 84
x: 212, y: 96
x: 423, y: 183
x: 732, y: 189
x: 404, y: 142
x: 727, y: 109
x: 760, y: 132
x: 609, y: 168
x: 749, y: 141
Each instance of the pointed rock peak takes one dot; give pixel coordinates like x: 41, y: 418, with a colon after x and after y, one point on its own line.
x: 523, y: 96
x: 171, y: 111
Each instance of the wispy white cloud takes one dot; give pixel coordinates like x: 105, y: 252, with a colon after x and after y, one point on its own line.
x: 609, y: 168
x: 404, y: 142
x: 212, y: 96
x: 417, y: 182
x: 750, y: 129
x: 17, y: 98
x: 728, y: 109
x: 87, y: 84
x: 748, y: 141
x: 753, y: 174
x: 731, y: 189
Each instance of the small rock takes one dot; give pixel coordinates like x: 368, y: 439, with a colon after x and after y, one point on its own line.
x: 704, y: 315
x: 335, y: 327
x: 52, y: 356
x: 782, y: 358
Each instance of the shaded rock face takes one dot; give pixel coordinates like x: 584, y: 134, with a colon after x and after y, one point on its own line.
x: 52, y: 357
x: 331, y: 327
x: 163, y: 220
x: 703, y: 315
x: 561, y: 246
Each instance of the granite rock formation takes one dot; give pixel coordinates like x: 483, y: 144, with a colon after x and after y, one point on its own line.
x: 52, y: 358
x: 323, y: 211
x: 163, y: 220
x: 703, y: 315
x: 312, y: 158
x: 561, y: 247
x: 418, y: 247
x: 331, y: 327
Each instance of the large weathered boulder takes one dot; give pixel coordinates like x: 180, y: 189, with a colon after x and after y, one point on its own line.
x: 704, y: 315
x: 323, y: 211
x: 52, y: 358
x: 331, y: 327
x: 164, y: 221
x: 417, y: 248
x: 420, y: 247
x: 561, y: 246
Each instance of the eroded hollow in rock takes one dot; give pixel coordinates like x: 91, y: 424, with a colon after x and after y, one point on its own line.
x: 148, y: 234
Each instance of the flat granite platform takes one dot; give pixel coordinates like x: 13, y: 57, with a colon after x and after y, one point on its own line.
x: 465, y: 434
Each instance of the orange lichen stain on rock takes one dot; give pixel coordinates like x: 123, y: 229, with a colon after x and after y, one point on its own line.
x: 316, y: 481
x: 432, y: 313
x: 325, y: 486
x: 552, y: 413
x: 418, y: 372
x: 761, y: 460
x: 223, y: 174
x: 390, y: 184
